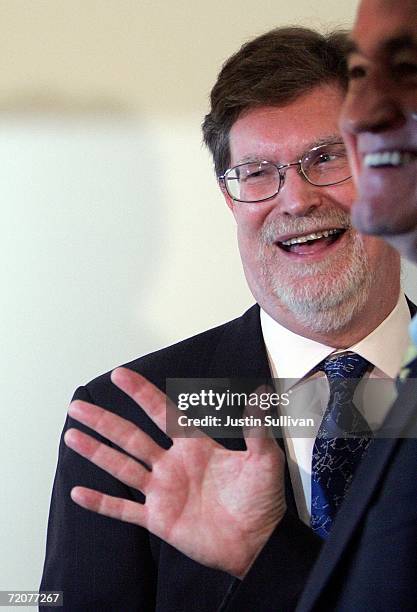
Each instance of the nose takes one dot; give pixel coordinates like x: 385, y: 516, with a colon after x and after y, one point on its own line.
x: 371, y: 105
x: 297, y: 197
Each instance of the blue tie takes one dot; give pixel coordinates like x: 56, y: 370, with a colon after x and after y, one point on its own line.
x: 341, y: 441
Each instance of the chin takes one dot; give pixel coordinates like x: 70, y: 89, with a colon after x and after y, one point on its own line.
x: 385, y: 213
x: 327, y: 303
x: 405, y: 244
x: 326, y: 311
x: 368, y: 218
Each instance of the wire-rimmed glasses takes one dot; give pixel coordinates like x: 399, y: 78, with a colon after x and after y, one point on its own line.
x: 257, y: 181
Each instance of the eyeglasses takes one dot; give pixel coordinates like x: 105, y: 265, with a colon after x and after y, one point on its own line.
x: 258, y: 181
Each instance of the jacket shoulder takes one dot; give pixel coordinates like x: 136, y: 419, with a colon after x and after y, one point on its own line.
x: 189, y: 358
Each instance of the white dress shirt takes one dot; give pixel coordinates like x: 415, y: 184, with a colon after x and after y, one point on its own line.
x: 292, y: 357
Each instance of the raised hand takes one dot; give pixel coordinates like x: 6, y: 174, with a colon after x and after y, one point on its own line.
x: 215, y: 505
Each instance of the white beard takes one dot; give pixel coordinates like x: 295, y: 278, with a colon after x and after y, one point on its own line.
x: 324, y: 296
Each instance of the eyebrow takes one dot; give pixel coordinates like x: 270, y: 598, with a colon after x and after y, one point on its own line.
x: 330, y: 139
x: 390, y: 45
x: 351, y: 47
x: 398, y: 43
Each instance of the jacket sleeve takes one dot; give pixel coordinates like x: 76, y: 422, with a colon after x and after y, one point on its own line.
x: 278, y: 575
x: 99, y: 563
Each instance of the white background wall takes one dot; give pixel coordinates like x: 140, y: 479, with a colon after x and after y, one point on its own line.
x: 115, y: 239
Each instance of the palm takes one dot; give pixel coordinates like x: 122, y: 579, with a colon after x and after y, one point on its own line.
x: 216, y: 506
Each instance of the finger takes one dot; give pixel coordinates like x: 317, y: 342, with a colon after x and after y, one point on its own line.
x: 119, y: 465
x: 115, y: 507
x: 156, y: 404
x: 259, y: 439
x: 116, y: 429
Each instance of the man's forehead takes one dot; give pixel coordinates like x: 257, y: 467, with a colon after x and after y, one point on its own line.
x: 382, y: 9
x: 384, y: 26
x: 388, y: 44
x: 275, y: 151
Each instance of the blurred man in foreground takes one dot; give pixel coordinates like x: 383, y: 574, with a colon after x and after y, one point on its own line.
x: 370, y: 559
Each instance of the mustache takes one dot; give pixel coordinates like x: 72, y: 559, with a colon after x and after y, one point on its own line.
x: 281, y: 225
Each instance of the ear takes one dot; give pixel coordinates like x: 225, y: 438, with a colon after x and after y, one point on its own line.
x: 229, y: 201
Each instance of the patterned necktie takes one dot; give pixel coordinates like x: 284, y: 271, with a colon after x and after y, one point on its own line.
x: 341, y: 441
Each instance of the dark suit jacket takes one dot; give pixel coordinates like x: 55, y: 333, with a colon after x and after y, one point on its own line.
x: 103, y: 564
x: 369, y: 561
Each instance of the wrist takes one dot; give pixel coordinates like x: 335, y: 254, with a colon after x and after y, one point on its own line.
x: 262, y: 538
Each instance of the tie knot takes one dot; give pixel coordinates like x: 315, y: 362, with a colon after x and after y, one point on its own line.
x: 344, y: 366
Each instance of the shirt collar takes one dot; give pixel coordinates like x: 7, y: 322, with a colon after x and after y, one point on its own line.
x: 293, y: 356
x: 386, y: 345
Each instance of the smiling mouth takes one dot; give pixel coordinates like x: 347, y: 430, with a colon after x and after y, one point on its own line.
x: 389, y: 159
x: 322, y: 237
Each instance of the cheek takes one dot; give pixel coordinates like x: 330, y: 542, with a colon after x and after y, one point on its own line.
x: 250, y: 220
x: 379, y: 252
x: 373, y: 246
x: 410, y: 104
x: 249, y: 233
x: 343, y: 195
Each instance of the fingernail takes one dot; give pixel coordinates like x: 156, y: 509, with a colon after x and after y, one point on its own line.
x: 69, y: 436
x: 75, y: 409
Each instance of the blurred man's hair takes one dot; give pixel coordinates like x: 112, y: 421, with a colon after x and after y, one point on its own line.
x: 271, y: 70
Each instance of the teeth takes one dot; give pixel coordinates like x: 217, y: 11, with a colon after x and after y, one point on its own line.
x: 387, y: 158
x: 314, y: 236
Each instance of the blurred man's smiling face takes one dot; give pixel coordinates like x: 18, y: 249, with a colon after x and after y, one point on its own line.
x: 379, y: 120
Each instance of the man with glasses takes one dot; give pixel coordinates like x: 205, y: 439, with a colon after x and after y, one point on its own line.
x: 327, y: 299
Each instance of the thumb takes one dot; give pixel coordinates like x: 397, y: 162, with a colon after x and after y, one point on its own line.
x: 257, y: 433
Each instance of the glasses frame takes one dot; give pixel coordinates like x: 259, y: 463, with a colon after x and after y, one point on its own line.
x: 282, y: 171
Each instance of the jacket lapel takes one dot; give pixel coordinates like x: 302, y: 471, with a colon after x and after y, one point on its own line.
x: 241, y: 353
